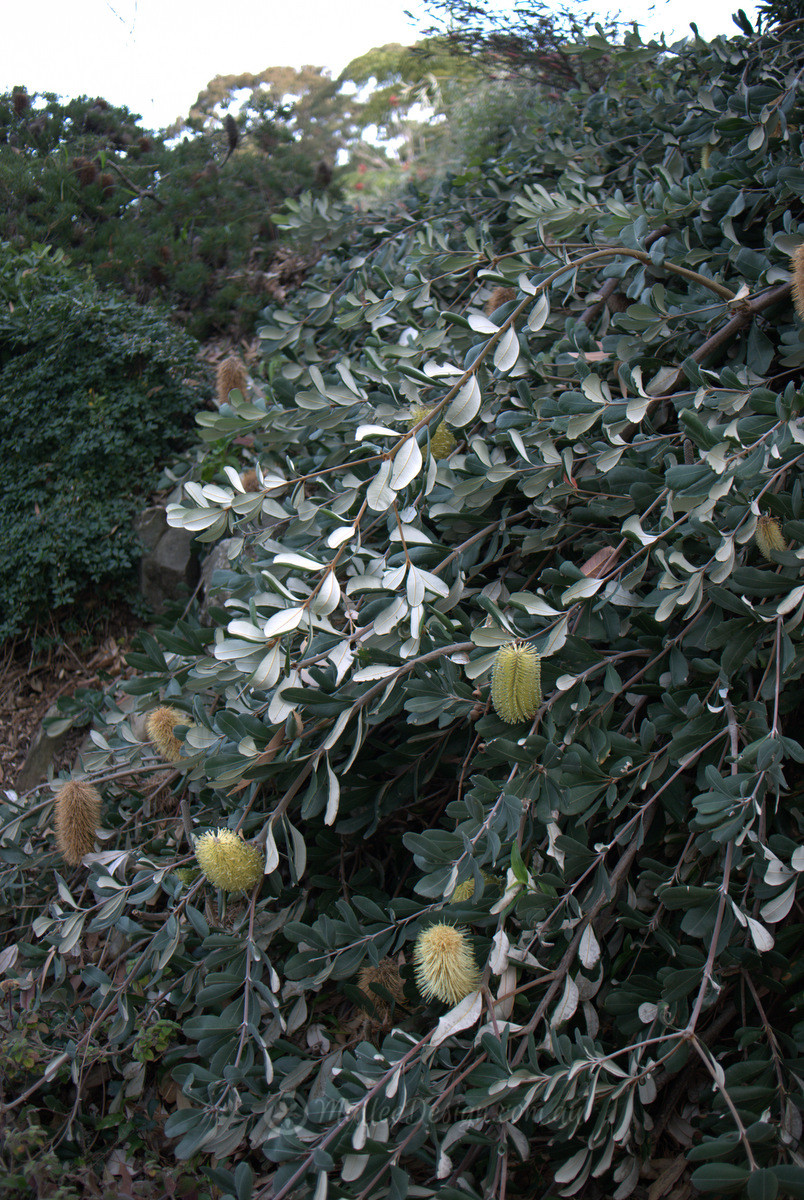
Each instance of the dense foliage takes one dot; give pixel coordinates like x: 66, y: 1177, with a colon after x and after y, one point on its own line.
x: 524, y: 41
x: 166, y: 219
x: 96, y: 393
x: 625, y: 497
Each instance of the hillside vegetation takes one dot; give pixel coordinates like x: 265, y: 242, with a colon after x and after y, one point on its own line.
x: 375, y: 913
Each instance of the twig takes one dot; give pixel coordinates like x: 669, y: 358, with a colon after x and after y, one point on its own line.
x: 143, y: 193
x: 724, y: 883
x: 699, y: 1050
x: 616, y: 881
x: 745, y: 313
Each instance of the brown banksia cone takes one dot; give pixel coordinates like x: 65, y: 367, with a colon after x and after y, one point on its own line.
x: 442, y: 442
x: 228, y: 861
x: 160, y: 793
x: 160, y: 725
x: 516, y: 682
x: 797, y: 269
x: 500, y: 296
x: 769, y: 537
x: 86, y: 170
x: 78, y: 812
x: 231, y: 375
x: 250, y: 481
x: 617, y: 302
x: 445, y: 965
x: 385, y: 975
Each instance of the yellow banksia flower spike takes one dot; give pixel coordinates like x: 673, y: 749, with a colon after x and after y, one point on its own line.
x: 516, y: 682
x: 445, y: 965
x: 442, y: 442
x: 160, y: 725
x: 78, y: 812
x: 797, y: 269
x: 466, y: 890
x: 768, y: 536
x: 228, y: 861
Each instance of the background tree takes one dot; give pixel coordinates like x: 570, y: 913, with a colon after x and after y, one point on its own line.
x: 528, y: 41
x: 161, y: 218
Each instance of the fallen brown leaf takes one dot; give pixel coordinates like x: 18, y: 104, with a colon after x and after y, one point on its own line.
x: 600, y: 563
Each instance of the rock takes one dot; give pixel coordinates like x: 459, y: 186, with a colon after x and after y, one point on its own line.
x: 41, y: 752
x: 169, y: 570
x: 149, y: 525
x: 212, y: 593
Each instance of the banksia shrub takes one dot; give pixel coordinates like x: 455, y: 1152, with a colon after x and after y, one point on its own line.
x: 78, y: 811
x: 229, y: 862
x: 231, y: 375
x: 797, y: 268
x: 160, y: 725
x: 442, y: 442
x: 385, y: 975
x: 445, y: 965
x: 768, y: 536
x: 516, y: 690
x: 500, y: 296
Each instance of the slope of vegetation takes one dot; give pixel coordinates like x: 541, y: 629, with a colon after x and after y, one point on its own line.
x: 601, y: 316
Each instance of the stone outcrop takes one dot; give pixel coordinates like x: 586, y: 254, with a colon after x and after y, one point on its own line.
x: 169, y: 567
x: 41, y: 752
x: 214, y: 592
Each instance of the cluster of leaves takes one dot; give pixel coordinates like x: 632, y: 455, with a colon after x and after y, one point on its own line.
x: 95, y: 395
x: 628, y: 414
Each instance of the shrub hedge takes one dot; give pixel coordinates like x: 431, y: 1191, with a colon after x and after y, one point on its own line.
x: 96, y: 393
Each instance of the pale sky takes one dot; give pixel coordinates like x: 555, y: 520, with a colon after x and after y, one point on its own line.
x: 156, y: 55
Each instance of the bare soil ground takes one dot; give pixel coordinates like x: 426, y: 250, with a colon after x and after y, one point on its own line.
x: 32, y: 679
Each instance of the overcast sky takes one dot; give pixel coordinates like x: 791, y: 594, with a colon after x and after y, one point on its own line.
x: 156, y: 55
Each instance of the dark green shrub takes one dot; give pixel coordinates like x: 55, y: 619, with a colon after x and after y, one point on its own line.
x: 160, y: 218
x: 95, y: 394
